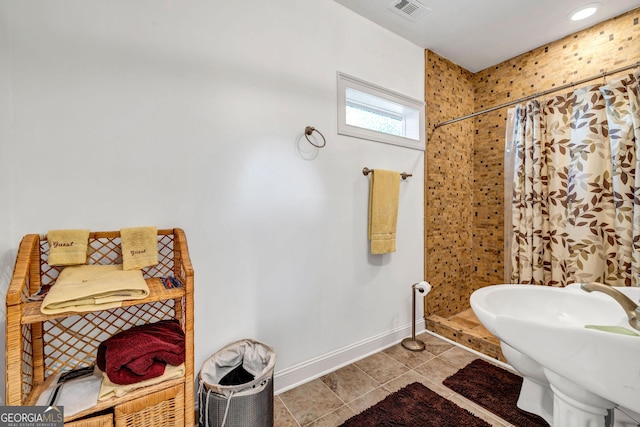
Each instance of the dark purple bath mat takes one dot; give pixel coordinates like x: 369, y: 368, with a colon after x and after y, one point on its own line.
x: 415, y: 406
x: 495, y: 389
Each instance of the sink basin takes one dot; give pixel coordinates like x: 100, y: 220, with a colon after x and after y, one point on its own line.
x: 547, y: 326
x: 568, y: 306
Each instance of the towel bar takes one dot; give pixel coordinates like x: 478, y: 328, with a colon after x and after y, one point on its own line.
x: 366, y: 171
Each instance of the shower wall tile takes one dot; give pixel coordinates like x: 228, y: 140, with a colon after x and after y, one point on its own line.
x: 464, y: 161
x: 448, y: 187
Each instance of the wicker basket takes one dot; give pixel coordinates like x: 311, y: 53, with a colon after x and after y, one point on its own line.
x: 163, y: 408
x: 40, y: 346
x: 99, y: 421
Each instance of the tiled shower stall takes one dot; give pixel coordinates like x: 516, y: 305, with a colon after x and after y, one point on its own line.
x: 464, y: 162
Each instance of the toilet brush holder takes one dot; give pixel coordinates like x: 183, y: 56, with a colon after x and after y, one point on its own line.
x: 412, y: 343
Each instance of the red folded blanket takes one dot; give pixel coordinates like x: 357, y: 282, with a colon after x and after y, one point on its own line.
x: 142, y: 352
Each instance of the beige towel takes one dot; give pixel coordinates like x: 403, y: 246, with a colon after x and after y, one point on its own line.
x: 109, y: 389
x: 67, y: 247
x: 83, y: 288
x: 139, y: 247
x: 383, y: 210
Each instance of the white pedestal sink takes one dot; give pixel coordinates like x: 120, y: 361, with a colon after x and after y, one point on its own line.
x: 585, y: 372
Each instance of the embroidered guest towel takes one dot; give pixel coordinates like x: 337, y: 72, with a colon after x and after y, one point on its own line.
x: 139, y: 247
x: 67, y: 247
x: 383, y: 210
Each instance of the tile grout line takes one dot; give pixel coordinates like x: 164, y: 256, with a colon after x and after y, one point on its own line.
x: 335, y: 394
x: 288, y: 410
x: 447, y: 356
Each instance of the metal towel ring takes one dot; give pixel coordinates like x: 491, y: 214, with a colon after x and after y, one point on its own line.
x: 308, y: 131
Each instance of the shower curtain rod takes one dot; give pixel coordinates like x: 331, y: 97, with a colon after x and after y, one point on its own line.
x: 535, y: 95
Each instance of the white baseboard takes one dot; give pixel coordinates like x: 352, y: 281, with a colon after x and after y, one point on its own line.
x: 314, y: 368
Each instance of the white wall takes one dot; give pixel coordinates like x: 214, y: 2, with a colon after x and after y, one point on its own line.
x: 191, y: 114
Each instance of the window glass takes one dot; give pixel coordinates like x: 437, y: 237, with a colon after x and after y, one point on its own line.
x: 380, y: 121
x: 372, y: 112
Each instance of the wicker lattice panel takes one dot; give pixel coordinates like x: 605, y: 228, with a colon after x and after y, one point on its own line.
x: 108, y: 251
x: 73, y: 341
x: 27, y: 360
x: 27, y: 350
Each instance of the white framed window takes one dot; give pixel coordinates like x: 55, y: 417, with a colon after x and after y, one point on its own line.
x: 372, y: 112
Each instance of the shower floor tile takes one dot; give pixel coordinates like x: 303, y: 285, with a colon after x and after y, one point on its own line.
x: 469, y: 321
x: 468, y: 315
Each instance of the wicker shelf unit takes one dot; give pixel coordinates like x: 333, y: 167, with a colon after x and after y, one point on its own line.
x: 40, y: 346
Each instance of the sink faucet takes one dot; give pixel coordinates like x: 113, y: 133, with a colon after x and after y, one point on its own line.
x: 630, y: 307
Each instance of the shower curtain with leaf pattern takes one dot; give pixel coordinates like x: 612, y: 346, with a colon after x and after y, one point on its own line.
x: 576, y: 187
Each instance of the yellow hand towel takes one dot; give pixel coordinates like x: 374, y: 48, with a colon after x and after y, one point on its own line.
x: 383, y: 210
x: 139, y: 247
x: 67, y: 247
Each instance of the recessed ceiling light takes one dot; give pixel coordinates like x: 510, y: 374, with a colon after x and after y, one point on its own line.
x: 584, y: 12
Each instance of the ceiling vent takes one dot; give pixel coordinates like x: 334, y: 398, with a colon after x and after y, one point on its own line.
x: 410, y: 9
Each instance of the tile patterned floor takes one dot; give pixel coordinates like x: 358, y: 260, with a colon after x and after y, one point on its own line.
x: 332, y: 399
